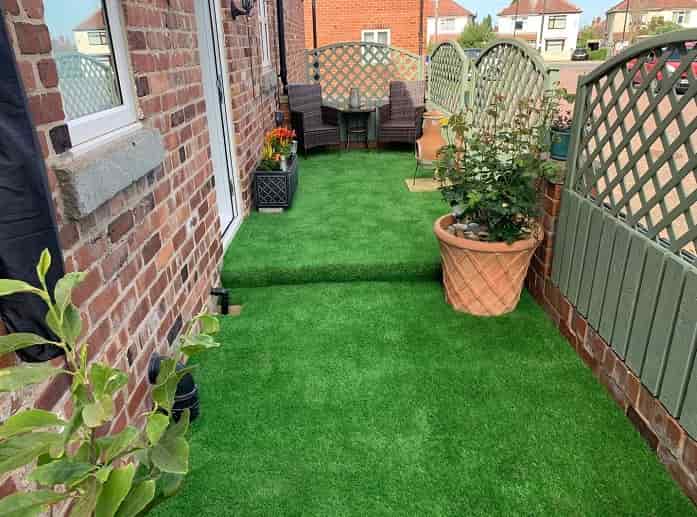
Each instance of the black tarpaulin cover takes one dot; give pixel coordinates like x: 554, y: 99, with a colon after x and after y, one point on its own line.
x: 27, y: 223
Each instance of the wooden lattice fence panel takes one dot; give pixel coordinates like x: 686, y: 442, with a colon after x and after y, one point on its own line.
x: 448, y: 75
x: 511, y: 71
x: 625, y: 246
x: 367, y: 66
x: 87, y: 85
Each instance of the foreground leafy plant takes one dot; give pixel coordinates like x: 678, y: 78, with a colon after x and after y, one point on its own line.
x: 71, y: 461
x: 489, y: 170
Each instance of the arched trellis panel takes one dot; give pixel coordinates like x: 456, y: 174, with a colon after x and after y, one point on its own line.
x: 448, y: 78
x: 508, y: 70
x: 367, y: 66
x: 624, y: 253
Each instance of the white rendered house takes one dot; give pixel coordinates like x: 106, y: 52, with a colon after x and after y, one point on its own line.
x: 550, y: 26
x: 452, y: 20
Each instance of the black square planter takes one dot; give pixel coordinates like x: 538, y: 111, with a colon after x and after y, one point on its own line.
x: 275, y: 189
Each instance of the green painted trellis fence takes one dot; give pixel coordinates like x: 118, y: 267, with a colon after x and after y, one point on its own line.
x: 626, y: 237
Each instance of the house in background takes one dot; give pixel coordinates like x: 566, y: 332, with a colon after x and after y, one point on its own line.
x: 551, y: 26
x: 452, y: 20
x: 91, y: 37
x: 625, y: 19
x: 406, y: 24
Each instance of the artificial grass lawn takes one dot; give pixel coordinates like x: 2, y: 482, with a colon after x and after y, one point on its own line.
x: 352, y: 219
x: 360, y: 399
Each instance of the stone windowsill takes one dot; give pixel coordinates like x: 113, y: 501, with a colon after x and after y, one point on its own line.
x: 91, y: 178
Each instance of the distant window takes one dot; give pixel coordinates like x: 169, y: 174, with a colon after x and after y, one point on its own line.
x: 680, y: 17
x: 97, y: 38
x: 519, y: 24
x: 376, y: 36
x: 557, y: 22
x: 446, y: 24
x: 264, y: 34
x: 554, y: 45
x: 89, y: 48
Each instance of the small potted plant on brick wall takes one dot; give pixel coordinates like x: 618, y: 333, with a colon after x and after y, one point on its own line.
x: 490, y: 180
x: 72, y: 461
x: 276, y: 177
x: 561, y: 123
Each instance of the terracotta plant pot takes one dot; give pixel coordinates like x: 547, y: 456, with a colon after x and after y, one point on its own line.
x: 479, y: 277
x: 432, y: 139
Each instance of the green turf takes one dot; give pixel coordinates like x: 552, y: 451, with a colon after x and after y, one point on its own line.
x: 363, y: 399
x: 353, y: 219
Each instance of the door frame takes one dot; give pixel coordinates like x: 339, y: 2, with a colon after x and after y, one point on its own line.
x: 216, y: 10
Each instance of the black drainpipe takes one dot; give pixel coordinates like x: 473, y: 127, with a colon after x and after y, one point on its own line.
x: 314, y: 23
x: 283, y: 73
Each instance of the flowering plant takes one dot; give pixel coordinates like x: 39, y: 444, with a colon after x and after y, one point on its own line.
x: 489, y: 174
x: 277, y: 143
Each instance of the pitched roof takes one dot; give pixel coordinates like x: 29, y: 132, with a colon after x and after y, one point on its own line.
x: 446, y: 8
x: 650, y: 5
x: 93, y: 21
x: 526, y: 7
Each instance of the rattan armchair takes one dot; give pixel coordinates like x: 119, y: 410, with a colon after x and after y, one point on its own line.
x: 401, y: 119
x: 314, y: 124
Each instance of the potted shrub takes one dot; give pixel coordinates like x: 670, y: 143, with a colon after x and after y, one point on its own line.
x: 490, y: 178
x: 561, y: 124
x: 71, y: 461
x: 276, y: 176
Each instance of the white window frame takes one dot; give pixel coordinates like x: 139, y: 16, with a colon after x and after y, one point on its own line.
x: 264, y: 34
x: 556, y: 22
x: 679, y: 14
x: 98, y: 124
x: 447, y: 24
x: 548, y: 41
x: 375, y: 33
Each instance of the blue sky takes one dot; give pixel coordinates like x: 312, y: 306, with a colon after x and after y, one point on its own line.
x: 590, y: 8
x: 63, y: 15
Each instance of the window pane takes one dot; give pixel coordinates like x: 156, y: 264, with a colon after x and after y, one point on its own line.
x: 382, y: 37
x: 369, y: 37
x: 87, y: 76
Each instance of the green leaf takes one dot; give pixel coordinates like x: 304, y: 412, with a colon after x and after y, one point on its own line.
x: 114, y: 491
x: 16, y: 377
x: 113, y: 445
x: 171, y: 454
x: 106, y: 380
x: 85, y: 504
x: 43, y: 266
x: 23, y: 504
x: 169, y: 484
x: 208, y: 324
x: 64, y: 289
x: 8, y: 287
x: 167, y: 380
x: 103, y: 474
x: 19, y: 340
x: 96, y: 413
x: 19, y: 450
x: 179, y: 428
x: 54, y: 324
x: 28, y: 420
x: 192, y: 345
x: 138, y: 498
x: 156, y: 426
x: 61, y: 472
x: 72, y: 324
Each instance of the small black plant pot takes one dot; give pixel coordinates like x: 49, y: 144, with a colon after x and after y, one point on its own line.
x: 275, y: 189
x: 186, y: 396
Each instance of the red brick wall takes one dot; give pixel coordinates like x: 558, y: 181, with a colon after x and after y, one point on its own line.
x: 343, y: 20
x: 676, y: 450
x: 152, y: 252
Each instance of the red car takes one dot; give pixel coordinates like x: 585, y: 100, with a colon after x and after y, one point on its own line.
x: 671, y: 65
